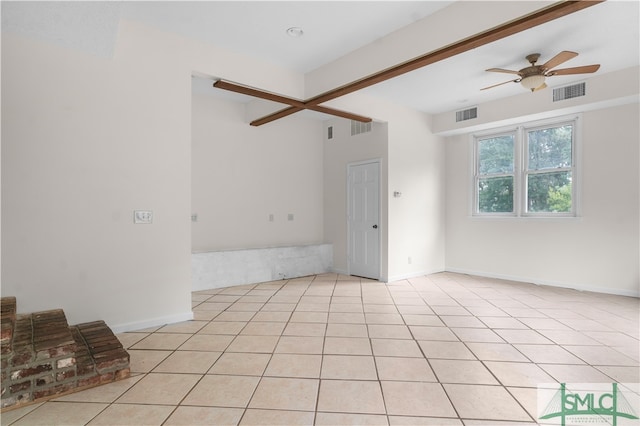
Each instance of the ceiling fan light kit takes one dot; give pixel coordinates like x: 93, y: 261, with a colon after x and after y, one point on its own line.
x: 532, y: 82
x: 523, y: 23
x: 533, y: 77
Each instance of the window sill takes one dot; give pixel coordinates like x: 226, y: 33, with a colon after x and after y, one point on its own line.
x: 528, y: 218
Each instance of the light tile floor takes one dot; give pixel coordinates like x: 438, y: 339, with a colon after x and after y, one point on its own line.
x: 443, y: 349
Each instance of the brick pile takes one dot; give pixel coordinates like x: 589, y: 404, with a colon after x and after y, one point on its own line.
x: 43, y: 357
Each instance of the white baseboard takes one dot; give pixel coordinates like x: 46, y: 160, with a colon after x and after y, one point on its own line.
x: 394, y: 277
x: 413, y: 275
x: 153, y: 322
x: 574, y: 286
x: 339, y: 271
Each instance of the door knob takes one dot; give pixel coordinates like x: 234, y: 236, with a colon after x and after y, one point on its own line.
x: 375, y: 226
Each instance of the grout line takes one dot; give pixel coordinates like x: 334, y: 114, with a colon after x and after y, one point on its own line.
x: 447, y: 286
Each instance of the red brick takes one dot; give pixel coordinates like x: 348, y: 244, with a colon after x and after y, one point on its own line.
x: 107, y: 378
x: 113, y: 364
x: 89, y: 381
x: 104, y: 345
x: 55, y: 390
x: 85, y: 365
x: 18, y: 387
x: 44, y: 380
x: 65, y: 362
x: 7, y: 306
x: 6, y: 332
x: 112, y: 354
x: 31, y: 371
x: 21, y: 358
x: 123, y: 374
x: 93, y: 327
x: 64, y: 375
x: 85, y: 355
x: 56, y: 352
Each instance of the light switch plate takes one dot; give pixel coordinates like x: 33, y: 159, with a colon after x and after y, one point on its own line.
x: 142, y: 216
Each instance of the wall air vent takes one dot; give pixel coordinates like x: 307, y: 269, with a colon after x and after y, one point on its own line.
x: 330, y: 132
x: 467, y: 114
x: 358, y: 127
x: 568, y: 92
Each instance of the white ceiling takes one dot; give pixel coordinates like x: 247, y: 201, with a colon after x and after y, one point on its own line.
x: 607, y: 33
x: 258, y: 28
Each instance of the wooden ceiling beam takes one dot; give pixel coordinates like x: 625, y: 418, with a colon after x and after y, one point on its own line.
x: 539, y: 17
x: 507, y: 29
x: 295, y: 105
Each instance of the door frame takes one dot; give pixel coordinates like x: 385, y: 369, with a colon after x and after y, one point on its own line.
x: 378, y: 162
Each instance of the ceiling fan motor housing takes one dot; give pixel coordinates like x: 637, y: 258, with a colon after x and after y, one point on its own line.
x: 532, y: 70
x: 533, y: 58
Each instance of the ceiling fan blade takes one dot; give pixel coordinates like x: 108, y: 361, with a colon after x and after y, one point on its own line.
x: 542, y: 86
x: 560, y: 58
x: 576, y: 70
x: 500, y: 84
x: 502, y: 70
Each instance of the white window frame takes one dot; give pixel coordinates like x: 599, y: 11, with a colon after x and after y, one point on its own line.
x: 521, y: 171
x: 477, y: 176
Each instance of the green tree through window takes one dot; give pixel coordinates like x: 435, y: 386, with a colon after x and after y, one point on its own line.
x: 495, y: 169
x: 549, y: 169
x: 533, y: 165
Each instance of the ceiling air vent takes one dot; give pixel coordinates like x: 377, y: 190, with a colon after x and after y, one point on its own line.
x: 568, y: 92
x: 467, y: 114
x: 358, y: 127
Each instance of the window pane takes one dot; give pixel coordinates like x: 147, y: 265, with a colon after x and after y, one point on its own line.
x: 495, y: 155
x: 549, y: 192
x: 495, y: 195
x: 550, y: 148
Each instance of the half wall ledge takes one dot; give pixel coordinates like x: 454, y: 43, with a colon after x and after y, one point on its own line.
x: 216, y: 269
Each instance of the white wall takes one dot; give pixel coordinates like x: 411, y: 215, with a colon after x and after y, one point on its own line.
x: 338, y: 152
x: 417, y: 218
x: 86, y: 140
x: 597, y: 251
x: 242, y: 174
x: 412, y: 163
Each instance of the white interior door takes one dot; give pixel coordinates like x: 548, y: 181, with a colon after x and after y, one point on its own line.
x: 363, y: 219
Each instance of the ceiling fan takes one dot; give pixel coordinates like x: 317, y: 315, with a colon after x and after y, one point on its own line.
x: 533, y: 77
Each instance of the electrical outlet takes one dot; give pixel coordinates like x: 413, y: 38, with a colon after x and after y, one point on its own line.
x: 194, y: 217
x: 142, y: 216
x: 409, y: 260
x: 290, y: 216
x: 271, y: 217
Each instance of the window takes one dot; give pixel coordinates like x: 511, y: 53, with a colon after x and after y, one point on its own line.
x: 527, y: 171
x: 496, y: 174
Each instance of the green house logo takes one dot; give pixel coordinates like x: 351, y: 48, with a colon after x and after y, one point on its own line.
x: 593, y: 403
